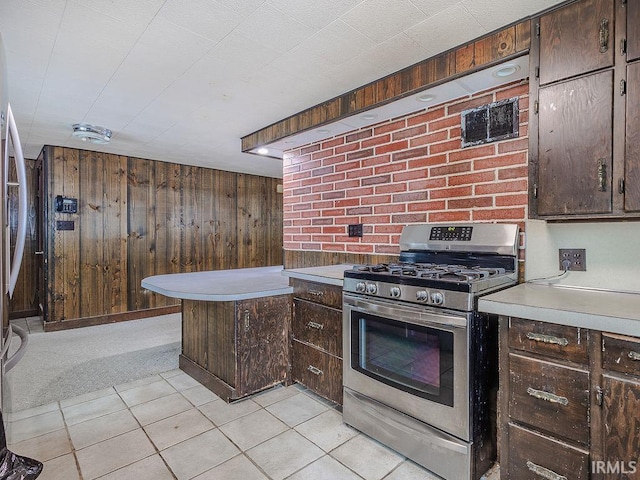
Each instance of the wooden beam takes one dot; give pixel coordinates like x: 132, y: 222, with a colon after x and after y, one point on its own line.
x: 510, y: 42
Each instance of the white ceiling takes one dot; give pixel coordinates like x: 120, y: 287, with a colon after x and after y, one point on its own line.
x: 184, y: 80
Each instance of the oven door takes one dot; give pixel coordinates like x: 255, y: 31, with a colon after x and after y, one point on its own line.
x: 412, y: 359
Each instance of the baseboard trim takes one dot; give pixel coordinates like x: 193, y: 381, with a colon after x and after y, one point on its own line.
x: 111, y: 318
x: 206, y: 378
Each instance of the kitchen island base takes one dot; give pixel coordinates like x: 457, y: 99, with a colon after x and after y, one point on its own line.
x: 236, y: 348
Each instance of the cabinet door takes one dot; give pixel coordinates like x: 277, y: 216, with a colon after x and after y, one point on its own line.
x: 317, y: 370
x: 632, y: 141
x: 318, y: 325
x: 575, y: 146
x: 621, y: 429
x: 576, y: 39
x: 262, y: 340
x: 633, y: 30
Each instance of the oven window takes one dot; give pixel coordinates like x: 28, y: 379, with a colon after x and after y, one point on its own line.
x: 413, y: 358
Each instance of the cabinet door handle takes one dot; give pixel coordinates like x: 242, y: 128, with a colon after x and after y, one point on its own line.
x: 544, y: 472
x: 549, y: 397
x: 602, y: 175
x: 315, y: 370
x: 604, y: 35
x: 634, y: 356
x: 316, y: 325
x: 246, y: 320
x: 316, y: 293
x: 539, y: 337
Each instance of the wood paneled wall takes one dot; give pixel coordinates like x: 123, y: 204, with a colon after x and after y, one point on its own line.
x: 138, y: 218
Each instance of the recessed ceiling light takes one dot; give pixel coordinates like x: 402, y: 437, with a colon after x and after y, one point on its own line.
x: 91, y: 133
x: 323, y: 130
x: 288, y: 142
x: 263, y: 151
x: 506, y: 70
x: 369, y: 116
x: 425, y: 97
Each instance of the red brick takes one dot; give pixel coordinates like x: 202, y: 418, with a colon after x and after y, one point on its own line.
x: 388, y: 249
x: 325, y: 187
x: 310, y: 165
x: 347, y: 148
x: 359, y: 211
x: 446, y: 122
x: 450, y: 168
x: 375, y: 239
x: 351, y: 202
x: 310, y: 246
x: 359, y: 135
x: 333, y: 143
x: 343, y: 167
x: 410, y: 197
x: 514, y: 145
x: 458, y: 107
x: 470, y: 202
x: 519, y: 158
x: 375, y: 199
x: 336, y: 230
x: 322, y: 221
x: 360, y: 192
x: 410, y: 218
x: 390, y: 168
x: 298, y: 176
x: 392, y: 147
x: 501, y: 187
x: 333, y: 160
x: 347, y: 184
x: 426, y: 117
x: 333, y: 195
x: 333, y: 247
x: 362, y: 172
x: 515, y: 91
x: 515, y: 172
x: 391, y: 188
x: 359, y: 248
x: 472, y: 152
x: 335, y: 177
x: 451, y: 192
x: 322, y: 238
x: 442, y: 147
x: 360, y: 154
x: 407, y: 154
x: 472, y: 178
x: 301, y: 222
x: 377, y: 160
x: 310, y: 149
x: 375, y: 219
x: 427, y: 183
x: 512, y: 200
x: 290, y: 169
x: 302, y: 191
x: 299, y: 159
x: 302, y: 238
x: 310, y: 198
x: 322, y: 171
x: 311, y: 181
x: 426, y: 206
x: 500, y: 214
x: 390, y: 127
x: 322, y: 154
x: 302, y: 206
x: 450, y: 216
x: 409, y: 175
x: 455, y: 133
x: 427, y: 161
x: 428, y: 139
x: 388, y: 229
x: 376, y: 180
x: 410, y: 132
x: 311, y: 230
x: 390, y: 208
x: 372, y: 142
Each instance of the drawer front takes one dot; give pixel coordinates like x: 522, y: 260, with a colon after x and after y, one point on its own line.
x: 621, y: 354
x: 533, y: 457
x: 318, y: 325
x: 556, y: 341
x: 329, y: 295
x: 550, y: 397
x: 317, y: 370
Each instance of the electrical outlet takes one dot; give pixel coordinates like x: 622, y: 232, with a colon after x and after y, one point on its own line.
x: 577, y: 258
x: 355, y: 230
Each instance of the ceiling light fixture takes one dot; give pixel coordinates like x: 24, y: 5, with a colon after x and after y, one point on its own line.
x: 323, y: 130
x: 91, y: 133
x: 263, y: 151
x: 369, y: 116
x: 425, y: 97
x: 506, y: 70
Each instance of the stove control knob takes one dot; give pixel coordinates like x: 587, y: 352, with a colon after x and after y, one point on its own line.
x: 437, y: 298
x: 361, y: 287
x: 372, y: 288
x: 394, y: 292
x: 422, y: 295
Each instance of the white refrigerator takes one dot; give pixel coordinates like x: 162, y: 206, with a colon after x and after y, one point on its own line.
x: 12, y: 466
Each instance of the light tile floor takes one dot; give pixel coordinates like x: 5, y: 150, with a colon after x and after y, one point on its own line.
x: 168, y: 426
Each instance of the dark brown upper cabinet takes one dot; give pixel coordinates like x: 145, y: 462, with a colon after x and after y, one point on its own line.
x: 575, y: 146
x: 584, y: 128
x: 576, y: 39
x: 633, y: 30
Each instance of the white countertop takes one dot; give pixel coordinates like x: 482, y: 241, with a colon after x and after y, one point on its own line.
x: 221, y: 285
x: 331, y: 274
x: 607, y: 311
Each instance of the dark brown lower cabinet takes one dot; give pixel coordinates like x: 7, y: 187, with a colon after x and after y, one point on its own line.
x: 316, y: 346
x: 236, y: 348
x: 569, y: 403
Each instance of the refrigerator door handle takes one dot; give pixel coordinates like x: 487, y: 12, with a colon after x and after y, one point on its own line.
x: 17, y: 356
x: 21, y: 172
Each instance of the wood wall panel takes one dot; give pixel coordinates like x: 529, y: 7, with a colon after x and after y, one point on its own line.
x: 138, y: 218
x: 309, y: 258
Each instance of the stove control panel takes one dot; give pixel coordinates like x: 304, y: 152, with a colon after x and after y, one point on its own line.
x: 462, y: 234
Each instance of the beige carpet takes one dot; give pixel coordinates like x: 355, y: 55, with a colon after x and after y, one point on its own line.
x: 60, y: 365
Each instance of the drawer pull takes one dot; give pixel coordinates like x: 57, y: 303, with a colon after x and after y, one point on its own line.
x: 549, y: 397
x: 539, y: 337
x: 634, y: 356
x: 315, y: 370
x: 315, y: 293
x: 544, y: 472
x: 316, y: 325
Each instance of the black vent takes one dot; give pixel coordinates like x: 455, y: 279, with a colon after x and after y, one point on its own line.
x: 489, y: 123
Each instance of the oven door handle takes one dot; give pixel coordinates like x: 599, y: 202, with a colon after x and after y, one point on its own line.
x: 393, y: 310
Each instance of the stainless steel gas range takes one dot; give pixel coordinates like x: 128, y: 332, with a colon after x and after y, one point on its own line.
x: 420, y: 362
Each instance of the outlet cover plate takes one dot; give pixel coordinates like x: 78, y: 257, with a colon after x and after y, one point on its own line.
x: 576, y: 256
x: 355, y: 230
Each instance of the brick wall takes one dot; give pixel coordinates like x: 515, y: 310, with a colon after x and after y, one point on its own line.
x: 405, y: 170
